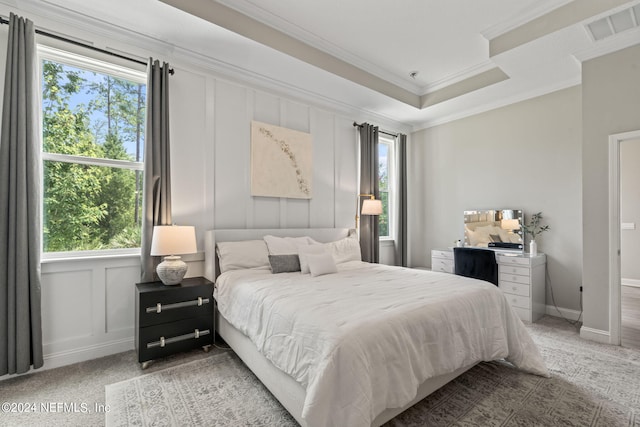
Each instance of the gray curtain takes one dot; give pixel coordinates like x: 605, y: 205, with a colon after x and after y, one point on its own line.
x: 20, y: 238
x: 402, y: 257
x: 369, y: 233
x: 156, y: 204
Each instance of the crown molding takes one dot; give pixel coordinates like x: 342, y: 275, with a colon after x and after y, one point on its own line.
x: 609, y: 45
x: 265, y: 17
x: 502, y: 102
x: 458, y: 77
x: 521, y: 18
x: 187, y: 58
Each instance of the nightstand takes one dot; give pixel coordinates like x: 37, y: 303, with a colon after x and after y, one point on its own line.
x: 171, y: 319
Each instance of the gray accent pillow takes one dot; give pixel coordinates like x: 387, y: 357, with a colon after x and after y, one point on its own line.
x: 284, y: 263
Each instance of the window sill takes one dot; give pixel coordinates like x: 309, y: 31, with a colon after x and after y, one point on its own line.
x: 60, y: 257
x: 387, y: 241
x: 54, y: 257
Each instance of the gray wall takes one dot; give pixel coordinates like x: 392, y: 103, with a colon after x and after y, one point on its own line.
x: 610, y: 105
x: 630, y: 210
x: 524, y: 156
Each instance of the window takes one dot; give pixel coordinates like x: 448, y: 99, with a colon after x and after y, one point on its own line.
x: 386, y: 184
x: 92, y: 150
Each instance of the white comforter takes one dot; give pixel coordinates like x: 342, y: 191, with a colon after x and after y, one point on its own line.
x: 362, y: 340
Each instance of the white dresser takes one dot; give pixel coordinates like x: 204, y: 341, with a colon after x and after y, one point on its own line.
x: 520, y: 277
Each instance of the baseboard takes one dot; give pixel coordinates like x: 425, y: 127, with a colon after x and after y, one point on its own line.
x: 596, y: 335
x: 563, y: 312
x: 630, y: 282
x: 63, y: 358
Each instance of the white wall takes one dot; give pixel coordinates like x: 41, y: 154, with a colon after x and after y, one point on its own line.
x: 524, y: 156
x: 610, y: 105
x: 88, y: 304
x: 630, y: 211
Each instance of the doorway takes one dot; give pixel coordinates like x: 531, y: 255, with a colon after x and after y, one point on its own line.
x: 624, y: 239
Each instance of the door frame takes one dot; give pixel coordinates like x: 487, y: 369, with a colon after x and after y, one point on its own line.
x: 615, y: 279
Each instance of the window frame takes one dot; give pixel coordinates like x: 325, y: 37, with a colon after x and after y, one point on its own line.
x: 91, y: 63
x: 391, y: 191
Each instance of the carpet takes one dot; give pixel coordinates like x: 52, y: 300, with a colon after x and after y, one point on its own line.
x: 591, y: 385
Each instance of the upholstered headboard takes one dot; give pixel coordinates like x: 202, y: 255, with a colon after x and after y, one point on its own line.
x: 212, y: 269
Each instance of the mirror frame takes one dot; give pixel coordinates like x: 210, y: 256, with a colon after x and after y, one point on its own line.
x: 499, y: 218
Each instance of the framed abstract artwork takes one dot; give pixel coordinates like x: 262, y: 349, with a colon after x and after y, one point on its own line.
x: 281, y: 162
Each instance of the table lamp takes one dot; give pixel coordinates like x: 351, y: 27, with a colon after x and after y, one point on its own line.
x: 172, y: 240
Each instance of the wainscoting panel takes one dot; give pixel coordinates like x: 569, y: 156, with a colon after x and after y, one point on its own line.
x: 232, y: 156
x: 322, y: 204
x: 67, y: 305
x: 87, y: 307
x: 188, y: 142
x: 334, y: 163
x: 120, y: 297
x: 345, y: 167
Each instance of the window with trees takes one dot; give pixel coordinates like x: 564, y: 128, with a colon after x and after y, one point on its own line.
x: 93, y: 141
x: 386, y: 184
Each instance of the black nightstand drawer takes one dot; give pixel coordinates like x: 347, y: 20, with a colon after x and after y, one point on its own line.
x: 162, y: 340
x: 164, y: 304
x: 170, y: 319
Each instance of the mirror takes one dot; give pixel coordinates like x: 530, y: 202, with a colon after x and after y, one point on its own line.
x: 495, y: 229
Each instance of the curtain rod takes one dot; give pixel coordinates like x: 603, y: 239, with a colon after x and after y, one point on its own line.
x: 4, y: 20
x: 379, y: 130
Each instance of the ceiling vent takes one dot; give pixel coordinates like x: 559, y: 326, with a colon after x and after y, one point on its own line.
x: 616, y: 23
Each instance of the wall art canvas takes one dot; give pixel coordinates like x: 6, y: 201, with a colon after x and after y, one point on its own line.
x: 281, y: 162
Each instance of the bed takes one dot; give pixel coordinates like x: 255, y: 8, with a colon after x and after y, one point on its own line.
x: 330, y: 363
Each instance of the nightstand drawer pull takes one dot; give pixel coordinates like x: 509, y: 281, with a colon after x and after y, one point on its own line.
x: 159, y: 307
x: 164, y: 341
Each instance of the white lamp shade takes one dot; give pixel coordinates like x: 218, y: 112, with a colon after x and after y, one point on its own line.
x: 173, y: 240
x: 371, y: 207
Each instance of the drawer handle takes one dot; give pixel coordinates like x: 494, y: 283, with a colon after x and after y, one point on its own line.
x: 159, y: 307
x: 515, y: 278
x: 513, y: 288
x: 192, y: 335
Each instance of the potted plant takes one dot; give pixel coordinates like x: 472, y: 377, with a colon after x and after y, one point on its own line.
x: 533, y: 229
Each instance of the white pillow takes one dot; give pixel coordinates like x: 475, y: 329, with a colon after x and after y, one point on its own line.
x: 320, y: 264
x: 304, y: 251
x: 347, y: 249
x: 241, y: 255
x: 286, y: 245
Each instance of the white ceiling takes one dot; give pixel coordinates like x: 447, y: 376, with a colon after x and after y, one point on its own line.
x: 446, y: 41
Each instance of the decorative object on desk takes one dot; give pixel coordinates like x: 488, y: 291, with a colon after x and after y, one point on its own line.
x: 281, y: 162
x: 370, y: 206
x: 533, y: 229
x: 172, y: 240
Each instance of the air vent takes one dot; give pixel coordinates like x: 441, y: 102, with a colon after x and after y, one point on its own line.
x: 614, y: 24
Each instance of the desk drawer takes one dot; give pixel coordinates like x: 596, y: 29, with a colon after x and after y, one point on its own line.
x: 505, y: 277
x: 435, y: 253
x: 518, y: 301
x: 515, y: 288
x: 511, y: 260
x: 441, y: 264
x: 514, y: 269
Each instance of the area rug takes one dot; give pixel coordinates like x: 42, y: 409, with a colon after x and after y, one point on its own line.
x: 591, y: 385
x: 216, y: 391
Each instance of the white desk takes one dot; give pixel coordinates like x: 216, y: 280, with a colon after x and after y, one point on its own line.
x: 520, y: 277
